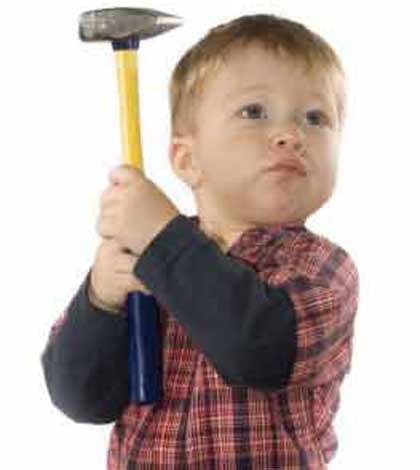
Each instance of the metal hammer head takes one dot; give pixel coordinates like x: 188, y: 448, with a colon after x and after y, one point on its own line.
x: 114, y: 24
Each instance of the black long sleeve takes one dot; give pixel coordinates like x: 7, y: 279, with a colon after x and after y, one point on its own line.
x: 85, y: 363
x: 245, y: 327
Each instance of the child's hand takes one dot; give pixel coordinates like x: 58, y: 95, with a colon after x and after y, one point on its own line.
x: 133, y: 209
x: 112, y: 276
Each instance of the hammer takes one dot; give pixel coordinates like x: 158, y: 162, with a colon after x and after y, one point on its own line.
x: 125, y: 27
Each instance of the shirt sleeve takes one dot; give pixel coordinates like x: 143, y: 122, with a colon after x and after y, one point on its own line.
x: 325, y: 308
x: 244, y: 327
x: 85, y: 361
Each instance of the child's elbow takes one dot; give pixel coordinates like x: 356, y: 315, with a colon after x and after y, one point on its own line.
x: 77, y: 399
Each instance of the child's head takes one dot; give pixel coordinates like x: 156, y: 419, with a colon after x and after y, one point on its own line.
x: 253, y: 92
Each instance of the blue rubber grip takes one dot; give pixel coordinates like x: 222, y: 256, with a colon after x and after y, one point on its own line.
x: 144, y: 349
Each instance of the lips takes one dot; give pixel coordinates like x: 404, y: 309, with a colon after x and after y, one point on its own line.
x: 289, y: 164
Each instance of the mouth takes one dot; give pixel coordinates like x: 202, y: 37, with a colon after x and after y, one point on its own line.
x: 287, y: 168
x: 289, y: 164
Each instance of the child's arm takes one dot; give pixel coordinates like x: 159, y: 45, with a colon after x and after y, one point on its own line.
x: 255, y: 334
x: 85, y: 361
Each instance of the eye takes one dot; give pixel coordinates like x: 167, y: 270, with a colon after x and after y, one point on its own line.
x: 253, y: 111
x: 320, y: 118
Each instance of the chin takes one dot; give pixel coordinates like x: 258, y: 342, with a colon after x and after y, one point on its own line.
x: 277, y: 217
x: 286, y: 213
x: 279, y: 213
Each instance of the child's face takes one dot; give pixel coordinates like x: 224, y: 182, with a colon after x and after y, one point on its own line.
x: 242, y: 131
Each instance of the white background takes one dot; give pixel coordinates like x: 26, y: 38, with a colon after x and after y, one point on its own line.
x: 60, y: 138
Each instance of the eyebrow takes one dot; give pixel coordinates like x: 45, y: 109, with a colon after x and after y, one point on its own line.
x: 248, y: 89
x: 319, y: 94
x: 243, y: 91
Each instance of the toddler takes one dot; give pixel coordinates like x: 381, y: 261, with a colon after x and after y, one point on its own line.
x: 256, y: 311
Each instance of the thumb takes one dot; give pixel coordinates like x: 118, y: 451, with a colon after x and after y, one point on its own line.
x: 123, y: 174
x: 140, y: 286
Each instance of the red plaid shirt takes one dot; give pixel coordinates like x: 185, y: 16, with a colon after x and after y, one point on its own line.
x: 204, y: 423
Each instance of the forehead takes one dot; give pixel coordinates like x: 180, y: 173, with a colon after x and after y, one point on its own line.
x: 254, y: 68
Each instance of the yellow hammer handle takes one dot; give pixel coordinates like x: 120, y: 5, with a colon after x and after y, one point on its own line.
x: 126, y: 61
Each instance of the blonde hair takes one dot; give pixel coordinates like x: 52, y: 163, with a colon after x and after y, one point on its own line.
x: 280, y: 35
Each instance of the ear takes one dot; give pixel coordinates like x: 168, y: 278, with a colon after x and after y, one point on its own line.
x: 184, y: 165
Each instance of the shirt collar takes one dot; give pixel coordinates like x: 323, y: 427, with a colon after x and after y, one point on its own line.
x: 252, y: 242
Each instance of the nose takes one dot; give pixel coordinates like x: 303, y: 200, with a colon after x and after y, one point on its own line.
x: 288, y: 140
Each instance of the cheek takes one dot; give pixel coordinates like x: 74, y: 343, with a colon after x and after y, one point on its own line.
x: 324, y: 177
x: 331, y: 161
x: 324, y: 153
x: 220, y: 153
x: 248, y: 151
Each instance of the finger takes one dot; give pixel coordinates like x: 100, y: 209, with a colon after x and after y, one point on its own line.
x: 135, y: 285
x: 105, y: 227
x: 109, y: 197
x: 130, y: 259
x: 104, y: 198
x: 124, y: 174
x: 114, y: 245
x: 110, y: 243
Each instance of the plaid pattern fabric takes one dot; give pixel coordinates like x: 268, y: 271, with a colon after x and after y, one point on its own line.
x: 203, y: 423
